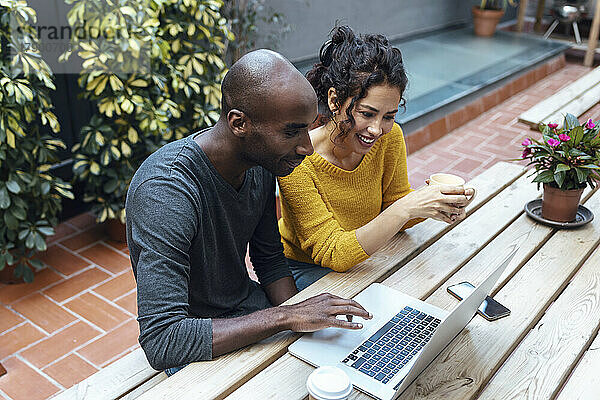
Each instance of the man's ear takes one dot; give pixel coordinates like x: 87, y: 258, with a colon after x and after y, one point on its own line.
x: 332, y: 100
x: 238, y: 122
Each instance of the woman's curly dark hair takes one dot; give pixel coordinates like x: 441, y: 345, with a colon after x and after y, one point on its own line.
x: 352, y: 64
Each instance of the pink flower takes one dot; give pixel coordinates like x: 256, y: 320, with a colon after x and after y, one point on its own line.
x: 552, y: 126
x: 526, y: 152
x: 590, y: 124
x: 564, y: 137
x: 526, y: 142
x: 553, y: 142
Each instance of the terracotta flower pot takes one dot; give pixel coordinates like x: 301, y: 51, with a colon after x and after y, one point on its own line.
x: 116, y: 230
x: 560, y: 205
x: 7, y: 275
x: 485, y: 21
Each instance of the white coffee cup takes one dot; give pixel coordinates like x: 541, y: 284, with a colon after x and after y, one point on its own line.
x: 328, y: 383
x: 443, y: 179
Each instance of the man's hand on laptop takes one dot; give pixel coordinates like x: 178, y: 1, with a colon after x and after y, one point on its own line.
x: 320, y: 312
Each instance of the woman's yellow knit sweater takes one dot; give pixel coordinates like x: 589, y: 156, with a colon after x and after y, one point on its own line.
x: 322, y: 205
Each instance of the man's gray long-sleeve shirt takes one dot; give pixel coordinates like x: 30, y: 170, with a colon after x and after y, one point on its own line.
x: 187, y: 231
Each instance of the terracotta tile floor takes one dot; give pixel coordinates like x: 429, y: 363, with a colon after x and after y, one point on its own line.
x: 79, y: 314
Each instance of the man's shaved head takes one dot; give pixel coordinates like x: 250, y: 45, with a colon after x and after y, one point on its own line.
x: 267, y: 107
x: 258, y: 79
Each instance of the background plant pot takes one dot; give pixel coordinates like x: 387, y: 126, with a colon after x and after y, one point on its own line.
x: 115, y: 230
x: 7, y: 275
x: 560, y: 205
x: 485, y: 21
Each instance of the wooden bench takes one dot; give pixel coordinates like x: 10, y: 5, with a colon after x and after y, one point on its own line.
x: 576, y: 98
x: 132, y: 377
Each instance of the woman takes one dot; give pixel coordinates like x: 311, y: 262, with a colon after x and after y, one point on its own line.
x: 352, y: 195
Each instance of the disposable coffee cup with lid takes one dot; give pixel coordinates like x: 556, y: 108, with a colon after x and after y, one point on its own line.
x: 328, y: 383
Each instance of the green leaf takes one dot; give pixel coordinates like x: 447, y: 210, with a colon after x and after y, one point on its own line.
x: 20, y: 270
x: 37, y: 264
x: 64, y: 193
x: 576, y: 135
x: 10, y: 259
x: 111, y: 185
x: 4, y: 198
x: 27, y: 274
x: 581, y: 175
x: 11, y: 221
x: 40, y: 243
x: 45, y: 188
x: 13, y: 187
x: 590, y: 166
x: 570, y: 122
x: 23, y: 234
x: 46, y: 230
x: 544, y: 177
x: 30, y: 242
x: 561, y: 167
x: 559, y: 178
x: 18, y: 212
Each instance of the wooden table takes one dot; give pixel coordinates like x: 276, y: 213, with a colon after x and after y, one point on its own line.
x: 593, y: 36
x: 544, y: 347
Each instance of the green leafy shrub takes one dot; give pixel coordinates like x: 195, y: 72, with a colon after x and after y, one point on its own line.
x: 154, y: 69
x: 30, y: 196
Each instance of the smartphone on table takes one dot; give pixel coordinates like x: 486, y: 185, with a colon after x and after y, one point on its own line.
x: 490, y: 309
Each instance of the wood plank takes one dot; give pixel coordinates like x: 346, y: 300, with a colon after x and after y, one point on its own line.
x: 521, y: 15
x: 138, y: 391
x: 422, y: 275
x: 577, y: 106
x: 542, y: 110
x: 113, y: 381
x: 543, y: 360
x: 593, y: 37
x: 583, y: 384
x: 472, y: 358
x: 243, y: 364
x: 539, y: 14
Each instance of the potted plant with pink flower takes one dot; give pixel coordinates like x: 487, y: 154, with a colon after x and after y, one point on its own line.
x: 566, y: 160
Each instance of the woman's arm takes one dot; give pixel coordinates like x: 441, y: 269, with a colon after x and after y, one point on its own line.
x: 428, y: 202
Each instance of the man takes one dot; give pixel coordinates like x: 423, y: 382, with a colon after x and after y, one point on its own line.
x: 195, y: 205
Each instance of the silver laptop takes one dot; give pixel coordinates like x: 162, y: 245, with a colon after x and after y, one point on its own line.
x: 393, y: 348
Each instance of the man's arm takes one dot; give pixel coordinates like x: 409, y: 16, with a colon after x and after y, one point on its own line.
x: 281, y: 290
x: 266, y: 252
x: 316, y: 313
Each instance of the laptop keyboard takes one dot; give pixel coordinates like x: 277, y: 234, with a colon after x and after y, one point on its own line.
x: 393, y: 345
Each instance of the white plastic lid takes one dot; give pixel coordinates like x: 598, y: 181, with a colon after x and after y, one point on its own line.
x: 329, y: 383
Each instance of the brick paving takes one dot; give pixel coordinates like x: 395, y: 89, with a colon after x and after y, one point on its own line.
x: 79, y: 314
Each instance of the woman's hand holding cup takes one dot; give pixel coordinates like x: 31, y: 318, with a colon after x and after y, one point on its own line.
x: 449, y: 184
x: 440, y: 201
